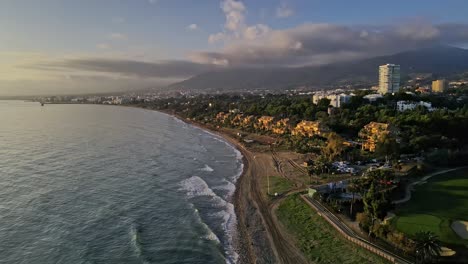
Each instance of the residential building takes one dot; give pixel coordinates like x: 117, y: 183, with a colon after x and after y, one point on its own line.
x: 237, y: 120
x: 221, y: 117
x: 389, y: 78
x: 408, y: 105
x: 309, y: 128
x: 281, y: 126
x: 373, y: 133
x: 264, y: 123
x: 247, y: 121
x: 336, y: 100
x: 439, y: 86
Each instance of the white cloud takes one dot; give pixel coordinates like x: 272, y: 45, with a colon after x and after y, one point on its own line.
x: 117, y: 36
x: 315, y: 43
x: 284, y: 11
x: 152, y: 1
x: 193, y: 27
x: 235, y: 27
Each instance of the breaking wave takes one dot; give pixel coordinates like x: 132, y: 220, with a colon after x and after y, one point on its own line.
x: 207, y: 168
x: 197, y: 187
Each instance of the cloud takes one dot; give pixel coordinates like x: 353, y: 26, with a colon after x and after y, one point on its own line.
x: 235, y: 27
x: 152, y: 1
x: 125, y: 67
x: 284, y: 11
x: 117, y: 36
x: 193, y: 27
x: 319, y: 43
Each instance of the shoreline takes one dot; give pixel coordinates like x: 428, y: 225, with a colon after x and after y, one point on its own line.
x: 243, y: 239
x: 259, y: 238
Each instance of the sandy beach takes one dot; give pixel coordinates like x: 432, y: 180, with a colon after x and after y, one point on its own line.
x: 261, y: 238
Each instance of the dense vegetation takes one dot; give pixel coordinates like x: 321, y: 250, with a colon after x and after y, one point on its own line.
x: 439, y: 134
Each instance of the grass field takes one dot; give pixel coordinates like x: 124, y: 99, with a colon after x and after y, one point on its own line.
x: 434, y: 205
x: 278, y: 184
x: 317, y: 239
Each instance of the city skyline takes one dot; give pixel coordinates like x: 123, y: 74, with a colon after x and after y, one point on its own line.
x: 68, y: 47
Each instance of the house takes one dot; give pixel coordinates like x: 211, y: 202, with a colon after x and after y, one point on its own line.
x: 373, y: 133
x: 309, y: 128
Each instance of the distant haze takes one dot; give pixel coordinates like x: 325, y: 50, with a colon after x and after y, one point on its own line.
x: 104, y: 46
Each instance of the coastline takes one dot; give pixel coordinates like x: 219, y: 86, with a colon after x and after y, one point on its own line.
x: 243, y: 240
x: 259, y: 237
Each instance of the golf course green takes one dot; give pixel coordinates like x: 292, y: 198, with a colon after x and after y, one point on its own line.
x: 434, y: 205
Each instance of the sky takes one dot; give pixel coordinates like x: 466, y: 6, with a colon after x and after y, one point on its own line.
x: 99, y: 46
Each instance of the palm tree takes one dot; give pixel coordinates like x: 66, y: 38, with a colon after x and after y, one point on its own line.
x: 428, y: 247
x: 353, y: 188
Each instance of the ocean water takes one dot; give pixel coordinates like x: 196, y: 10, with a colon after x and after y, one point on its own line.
x: 108, y: 184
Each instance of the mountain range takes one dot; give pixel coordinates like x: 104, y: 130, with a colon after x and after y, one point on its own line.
x: 440, y: 61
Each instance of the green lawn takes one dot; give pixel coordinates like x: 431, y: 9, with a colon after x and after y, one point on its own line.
x: 434, y: 205
x: 317, y: 239
x: 278, y: 184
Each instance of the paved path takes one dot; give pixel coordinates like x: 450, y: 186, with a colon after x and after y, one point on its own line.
x: 343, y: 228
x: 410, y: 186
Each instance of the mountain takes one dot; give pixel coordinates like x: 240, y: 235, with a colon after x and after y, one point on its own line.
x: 440, y: 60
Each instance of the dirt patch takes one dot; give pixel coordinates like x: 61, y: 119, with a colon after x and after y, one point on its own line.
x: 461, y: 228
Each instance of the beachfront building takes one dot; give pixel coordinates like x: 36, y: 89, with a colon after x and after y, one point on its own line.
x: 264, y: 123
x: 309, y: 129
x: 389, y: 78
x: 247, y: 121
x: 373, y: 133
x: 336, y: 100
x: 408, y: 105
x: 281, y: 126
x: 439, y: 86
x: 237, y: 120
x: 221, y: 117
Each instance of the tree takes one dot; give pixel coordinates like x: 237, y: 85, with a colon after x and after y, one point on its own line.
x: 388, y: 147
x: 428, y: 247
x: 353, y: 188
x: 334, y: 147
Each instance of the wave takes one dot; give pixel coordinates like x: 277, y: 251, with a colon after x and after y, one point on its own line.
x: 207, y: 168
x: 196, y: 187
x: 210, y: 235
x: 227, y: 186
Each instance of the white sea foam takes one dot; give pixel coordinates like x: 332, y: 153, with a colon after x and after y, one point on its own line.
x: 196, y: 187
x: 227, y: 186
x: 210, y: 235
x: 207, y: 168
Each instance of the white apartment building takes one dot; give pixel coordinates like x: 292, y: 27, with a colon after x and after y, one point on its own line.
x: 336, y: 100
x: 408, y: 105
x: 389, y: 78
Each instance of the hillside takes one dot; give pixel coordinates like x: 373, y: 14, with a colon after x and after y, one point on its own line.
x: 441, y: 60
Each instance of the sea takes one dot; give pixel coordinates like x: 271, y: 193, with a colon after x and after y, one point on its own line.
x: 112, y: 184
